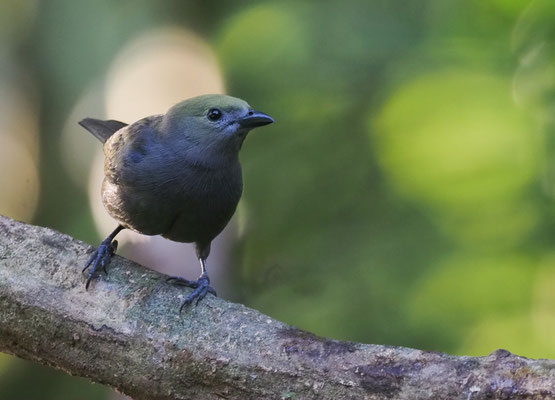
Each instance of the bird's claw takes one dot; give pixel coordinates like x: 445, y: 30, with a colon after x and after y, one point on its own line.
x: 201, y: 288
x: 100, y: 256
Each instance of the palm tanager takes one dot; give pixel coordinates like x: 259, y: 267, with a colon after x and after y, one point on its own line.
x: 177, y: 175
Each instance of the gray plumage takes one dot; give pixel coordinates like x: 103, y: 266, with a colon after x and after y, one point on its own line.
x: 178, y: 174
x: 102, y: 130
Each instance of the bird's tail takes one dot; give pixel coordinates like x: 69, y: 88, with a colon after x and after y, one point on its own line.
x: 102, y: 130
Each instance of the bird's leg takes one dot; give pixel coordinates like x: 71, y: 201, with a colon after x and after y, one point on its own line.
x: 201, y: 285
x: 102, y: 255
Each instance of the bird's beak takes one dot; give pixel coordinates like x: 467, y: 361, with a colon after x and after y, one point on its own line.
x: 254, y: 119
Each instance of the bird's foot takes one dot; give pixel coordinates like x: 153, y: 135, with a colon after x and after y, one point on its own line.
x: 201, y: 286
x: 100, y: 256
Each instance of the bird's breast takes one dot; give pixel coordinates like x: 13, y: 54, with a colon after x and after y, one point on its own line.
x: 206, y: 202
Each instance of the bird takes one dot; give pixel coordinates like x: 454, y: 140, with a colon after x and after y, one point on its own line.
x: 176, y: 174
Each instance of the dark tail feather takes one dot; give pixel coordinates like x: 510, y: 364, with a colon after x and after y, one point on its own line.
x: 102, y: 130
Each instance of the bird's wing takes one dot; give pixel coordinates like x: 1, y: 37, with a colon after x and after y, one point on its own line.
x: 101, y: 129
x: 133, y: 154
x: 138, y: 189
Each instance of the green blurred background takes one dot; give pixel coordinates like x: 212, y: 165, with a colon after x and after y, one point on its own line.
x: 404, y: 196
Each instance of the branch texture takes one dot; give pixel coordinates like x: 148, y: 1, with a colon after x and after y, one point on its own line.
x: 126, y: 332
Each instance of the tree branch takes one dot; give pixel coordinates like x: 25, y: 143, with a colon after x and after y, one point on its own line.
x: 126, y: 332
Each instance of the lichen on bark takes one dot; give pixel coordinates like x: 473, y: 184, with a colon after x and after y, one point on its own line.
x: 126, y: 332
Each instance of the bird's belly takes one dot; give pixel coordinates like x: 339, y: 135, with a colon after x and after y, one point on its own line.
x: 202, y: 219
x: 197, y: 212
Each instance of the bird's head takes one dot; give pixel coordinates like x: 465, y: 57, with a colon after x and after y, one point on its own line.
x: 214, y: 121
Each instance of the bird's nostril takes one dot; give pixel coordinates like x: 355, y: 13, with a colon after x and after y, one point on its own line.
x: 251, y: 113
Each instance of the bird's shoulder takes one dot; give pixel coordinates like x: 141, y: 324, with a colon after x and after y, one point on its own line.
x: 126, y: 150
x: 133, y: 136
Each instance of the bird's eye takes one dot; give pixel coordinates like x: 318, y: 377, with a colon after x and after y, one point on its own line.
x: 214, y: 114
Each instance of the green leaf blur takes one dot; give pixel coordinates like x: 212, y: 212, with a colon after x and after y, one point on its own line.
x: 405, y: 194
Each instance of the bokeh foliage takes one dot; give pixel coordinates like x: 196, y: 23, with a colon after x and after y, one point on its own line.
x: 405, y: 194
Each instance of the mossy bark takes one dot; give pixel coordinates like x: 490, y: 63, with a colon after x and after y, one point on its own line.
x: 126, y: 332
